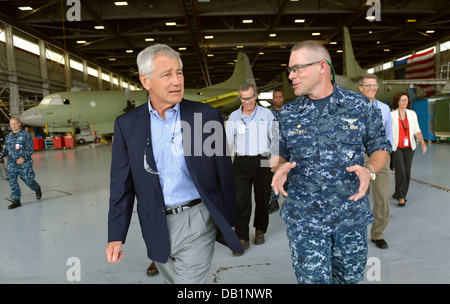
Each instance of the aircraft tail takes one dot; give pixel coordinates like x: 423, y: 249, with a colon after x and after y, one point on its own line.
x: 351, y: 67
x: 242, y: 73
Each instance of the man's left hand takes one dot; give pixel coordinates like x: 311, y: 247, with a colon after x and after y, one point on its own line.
x: 364, y: 181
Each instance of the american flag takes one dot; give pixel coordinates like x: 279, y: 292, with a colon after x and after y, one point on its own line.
x: 418, y: 66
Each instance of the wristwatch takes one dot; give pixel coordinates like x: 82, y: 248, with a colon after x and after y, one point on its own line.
x: 373, y: 176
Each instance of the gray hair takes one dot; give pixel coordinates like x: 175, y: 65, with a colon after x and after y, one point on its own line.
x: 366, y: 76
x: 145, y: 57
x: 246, y: 86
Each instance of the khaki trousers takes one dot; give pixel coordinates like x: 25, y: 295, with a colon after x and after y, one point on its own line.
x: 380, y: 192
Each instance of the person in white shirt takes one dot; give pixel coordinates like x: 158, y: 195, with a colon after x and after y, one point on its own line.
x: 405, y: 127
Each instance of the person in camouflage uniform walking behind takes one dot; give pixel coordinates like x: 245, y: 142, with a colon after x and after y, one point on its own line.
x: 19, y: 147
x: 323, y: 135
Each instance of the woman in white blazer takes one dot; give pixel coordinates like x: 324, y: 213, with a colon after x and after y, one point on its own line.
x: 405, y: 127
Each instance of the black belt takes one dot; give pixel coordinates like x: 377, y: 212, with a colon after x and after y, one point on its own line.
x: 181, y: 208
x: 249, y: 156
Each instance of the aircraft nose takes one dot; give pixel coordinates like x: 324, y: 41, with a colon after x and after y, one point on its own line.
x: 32, y: 117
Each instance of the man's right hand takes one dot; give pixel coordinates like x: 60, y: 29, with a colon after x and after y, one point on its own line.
x: 113, y: 252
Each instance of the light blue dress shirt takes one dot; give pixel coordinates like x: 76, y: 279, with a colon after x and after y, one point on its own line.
x: 387, y: 119
x: 167, y: 143
x: 250, y: 134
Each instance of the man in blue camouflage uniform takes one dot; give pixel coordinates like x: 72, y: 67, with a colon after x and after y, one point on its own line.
x: 323, y: 135
x: 19, y: 147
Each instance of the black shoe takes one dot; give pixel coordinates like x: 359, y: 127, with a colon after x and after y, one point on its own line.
x: 38, y: 194
x: 15, y: 204
x: 380, y: 243
x: 273, y: 206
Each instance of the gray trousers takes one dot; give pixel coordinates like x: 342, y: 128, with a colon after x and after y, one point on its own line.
x: 192, y: 236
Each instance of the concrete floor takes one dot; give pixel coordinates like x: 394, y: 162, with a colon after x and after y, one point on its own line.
x: 62, y: 238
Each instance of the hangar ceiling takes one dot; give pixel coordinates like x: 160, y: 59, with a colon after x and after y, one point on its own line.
x: 402, y: 27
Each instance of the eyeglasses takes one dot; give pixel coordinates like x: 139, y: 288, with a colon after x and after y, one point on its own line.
x: 296, y: 69
x: 300, y: 67
x: 168, y: 171
x: 248, y: 98
x: 404, y: 99
x: 370, y: 85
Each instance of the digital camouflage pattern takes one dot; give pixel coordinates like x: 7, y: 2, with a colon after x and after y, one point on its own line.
x: 312, y: 253
x: 18, y: 145
x: 323, y: 146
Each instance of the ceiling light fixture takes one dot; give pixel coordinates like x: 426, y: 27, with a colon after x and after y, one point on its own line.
x: 315, y: 34
x: 129, y: 51
x: 99, y: 27
x: 247, y: 21
x: 299, y: 21
x: 25, y: 8
x: 209, y: 37
x: 121, y: 3
x: 272, y: 35
x: 81, y: 41
x: 171, y: 23
x: 182, y: 49
x: 149, y: 39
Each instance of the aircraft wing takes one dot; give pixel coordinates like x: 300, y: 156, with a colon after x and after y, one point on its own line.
x: 222, y: 101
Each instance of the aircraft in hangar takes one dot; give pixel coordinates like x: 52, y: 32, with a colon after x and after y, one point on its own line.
x: 65, y: 111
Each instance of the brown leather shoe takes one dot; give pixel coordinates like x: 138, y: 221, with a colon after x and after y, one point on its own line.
x: 259, y: 237
x: 245, y: 244
x: 152, y: 270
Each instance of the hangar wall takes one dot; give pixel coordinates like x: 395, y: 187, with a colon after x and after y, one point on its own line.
x: 24, y: 71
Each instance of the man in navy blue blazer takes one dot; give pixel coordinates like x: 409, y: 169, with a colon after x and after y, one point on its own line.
x: 171, y: 155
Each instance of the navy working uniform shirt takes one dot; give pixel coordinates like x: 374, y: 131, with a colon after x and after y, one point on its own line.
x: 323, y: 145
x: 18, y: 145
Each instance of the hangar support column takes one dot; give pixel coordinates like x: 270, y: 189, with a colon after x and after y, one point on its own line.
x: 14, y: 99
x: 43, y: 67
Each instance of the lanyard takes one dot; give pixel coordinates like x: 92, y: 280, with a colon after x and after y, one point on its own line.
x: 403, y: 125
x: 254, y: 113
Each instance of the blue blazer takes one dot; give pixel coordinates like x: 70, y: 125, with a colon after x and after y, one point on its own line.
x: 212, y: 176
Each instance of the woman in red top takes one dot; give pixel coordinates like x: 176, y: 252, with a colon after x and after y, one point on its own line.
x: 405, y: 127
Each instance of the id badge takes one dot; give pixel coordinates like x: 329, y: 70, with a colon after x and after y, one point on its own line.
x: 17, y: 146
x: 405, y: 142
x: 241, y: 129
